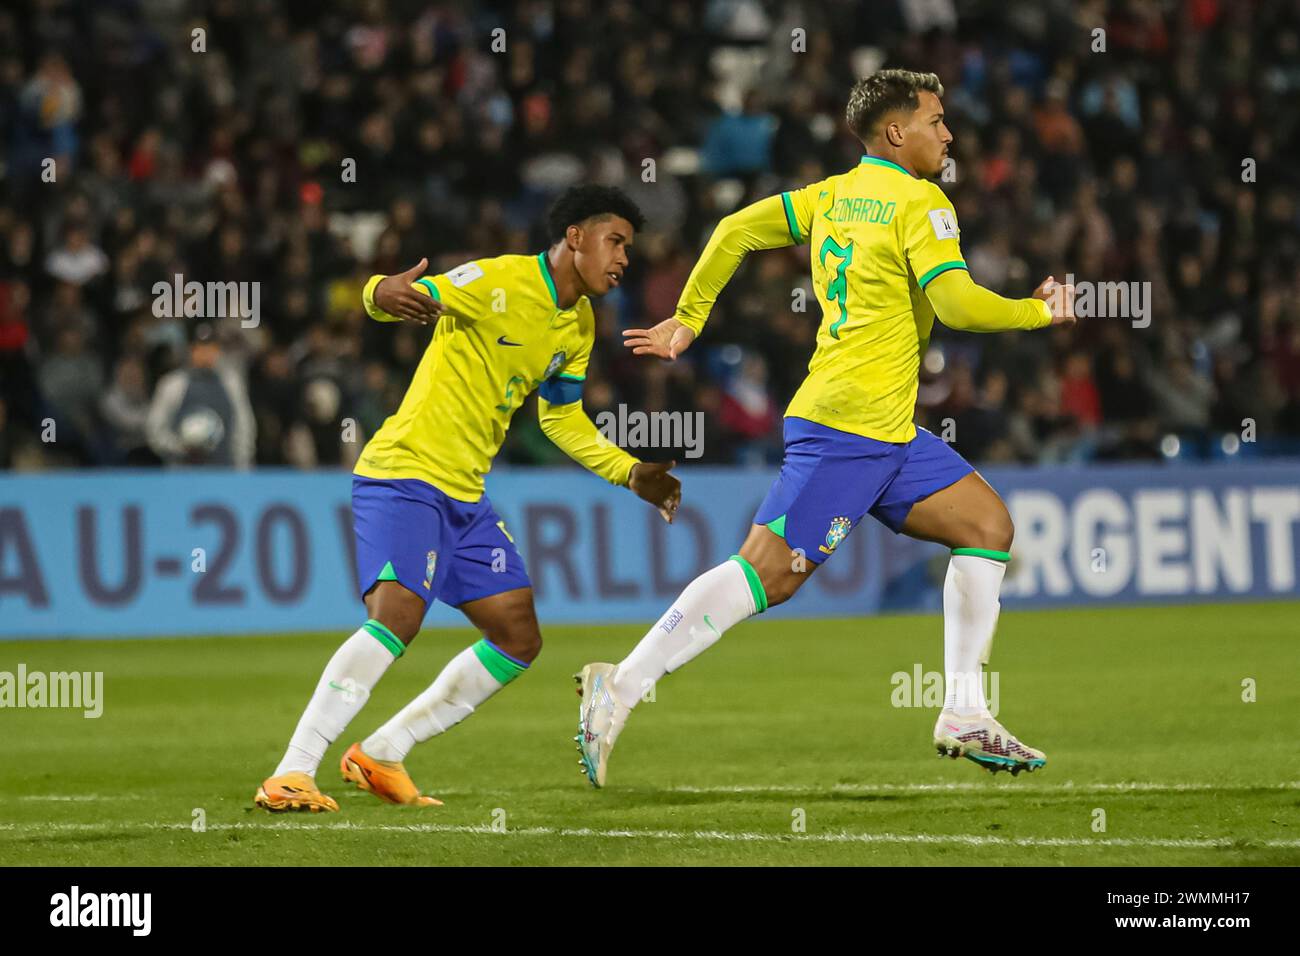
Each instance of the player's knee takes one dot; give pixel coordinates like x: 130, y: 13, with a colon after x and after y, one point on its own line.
x: 397, y: 609
x: 995, y: 530
x: 781, y: 585
x: 522, y: 642
x: 778, y: 592
x: 780, y: 571
x: 403, y: 623
x: 781, y: 576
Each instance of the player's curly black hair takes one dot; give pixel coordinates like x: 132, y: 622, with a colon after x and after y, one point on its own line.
x: 577, y: 204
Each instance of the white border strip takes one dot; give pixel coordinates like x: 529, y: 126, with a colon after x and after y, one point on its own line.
x: 686, y: 836
x: 989, y: 786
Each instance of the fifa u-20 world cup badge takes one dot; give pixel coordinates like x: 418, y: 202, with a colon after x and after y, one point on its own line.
x: 840, y: 529
x: 430, y: 565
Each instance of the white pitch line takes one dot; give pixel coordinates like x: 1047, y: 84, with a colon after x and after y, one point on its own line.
x: 79, y: 797
x: 1027, y: 788
x: 704, y: 836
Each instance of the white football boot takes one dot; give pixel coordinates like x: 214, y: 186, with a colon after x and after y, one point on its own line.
x: 986, y: 742
x: 600, y: 719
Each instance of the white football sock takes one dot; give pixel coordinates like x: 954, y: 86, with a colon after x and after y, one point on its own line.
x: 343, y: 690
x: 970, y: 614
x: 472, y: 676
x: 718, y: 599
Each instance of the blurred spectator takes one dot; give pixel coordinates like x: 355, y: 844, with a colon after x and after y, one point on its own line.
x: 315, y: 144
x: 740, y: 143
x: 747, y: 409
x: 125, y: 409
x: 71, y: 380
x: 1079, y: 399
x: 77, y: 261
x: 982, y: 428
x: 50, y: 105
x: 1182, y: 396
x: 200, y: 414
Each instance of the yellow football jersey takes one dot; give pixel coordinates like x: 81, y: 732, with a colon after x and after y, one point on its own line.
x: 879, y: 235
x: 502, y: 335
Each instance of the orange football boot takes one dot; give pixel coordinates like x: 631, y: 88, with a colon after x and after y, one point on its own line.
x: 386, y: 779
x: 293, y: 791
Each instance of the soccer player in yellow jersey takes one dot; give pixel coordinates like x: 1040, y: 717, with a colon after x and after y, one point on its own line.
x: 424, y: 529
x: 885, y: 262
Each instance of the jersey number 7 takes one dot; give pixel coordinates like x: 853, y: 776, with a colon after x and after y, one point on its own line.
x: 837, y: 290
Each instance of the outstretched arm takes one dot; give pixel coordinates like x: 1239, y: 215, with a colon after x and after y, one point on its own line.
x: 770, y: 223
x: 961, y: 304
x: 569, y: 428
x: 761, y: 225
x: 932, y: 247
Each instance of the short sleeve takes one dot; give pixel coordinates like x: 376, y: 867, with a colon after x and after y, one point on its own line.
x: 931, y: 236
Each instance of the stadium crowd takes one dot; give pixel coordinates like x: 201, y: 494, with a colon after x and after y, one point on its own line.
x: 303, y: 146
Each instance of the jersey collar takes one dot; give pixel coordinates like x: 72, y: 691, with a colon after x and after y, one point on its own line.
x: 877, y: 161
x: 546, y: 274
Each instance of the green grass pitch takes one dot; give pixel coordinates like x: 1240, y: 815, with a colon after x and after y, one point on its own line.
x: 1140, y: 711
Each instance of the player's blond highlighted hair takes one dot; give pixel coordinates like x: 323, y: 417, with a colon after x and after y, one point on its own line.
x: 884, y: 92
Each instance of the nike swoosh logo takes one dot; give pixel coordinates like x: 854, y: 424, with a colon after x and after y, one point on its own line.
x: 504, y: 341
x: 337, y: 687
x: 711, y: 627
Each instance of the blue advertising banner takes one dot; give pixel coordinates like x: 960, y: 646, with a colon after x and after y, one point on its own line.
x: 126, y: 553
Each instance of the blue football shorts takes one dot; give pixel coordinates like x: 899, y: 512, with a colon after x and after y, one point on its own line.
x: 830, y: 479
x: 433, y: 545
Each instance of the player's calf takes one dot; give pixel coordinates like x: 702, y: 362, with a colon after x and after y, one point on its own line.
x: 469, y: 679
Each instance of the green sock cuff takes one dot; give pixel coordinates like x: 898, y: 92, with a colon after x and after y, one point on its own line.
x: 499, y: 664
x: 1003, y: 556
x: 755, y: 585
x: 384, y: 636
